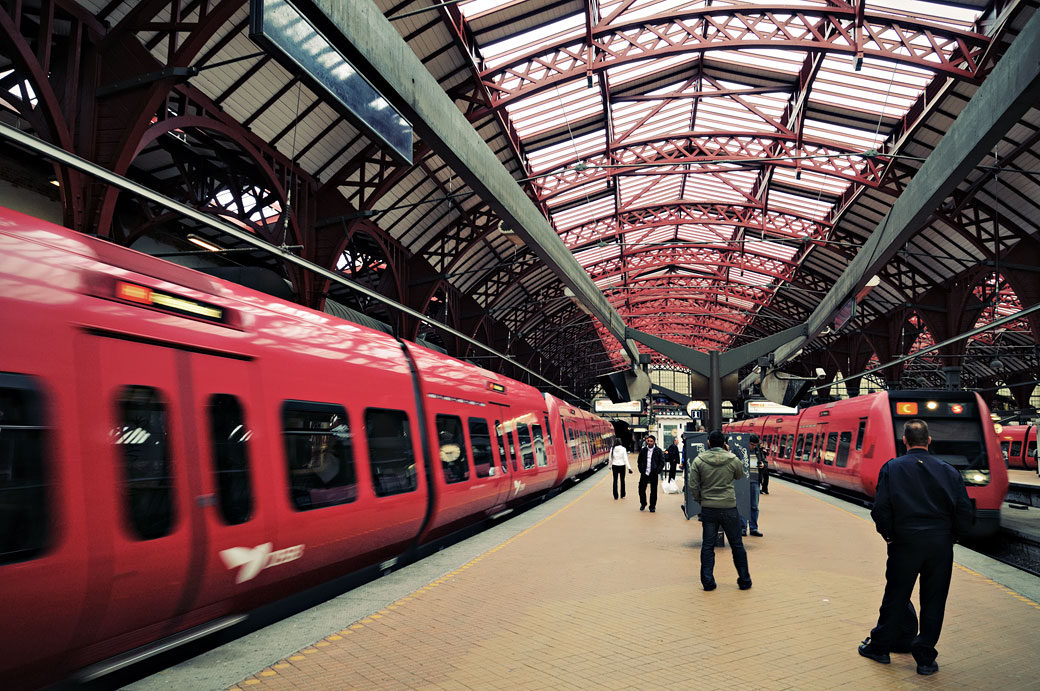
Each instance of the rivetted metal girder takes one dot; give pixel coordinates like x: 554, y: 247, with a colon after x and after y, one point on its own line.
x: 1009, y: 91
x: 393, y: 67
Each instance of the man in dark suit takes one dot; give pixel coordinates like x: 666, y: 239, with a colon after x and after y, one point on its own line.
x: 921, y: 508
x: 651, y: 462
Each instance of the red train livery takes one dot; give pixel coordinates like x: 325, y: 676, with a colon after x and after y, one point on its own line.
x: 845, y: 443
x: 176, y: 450
x: 1018, y: 445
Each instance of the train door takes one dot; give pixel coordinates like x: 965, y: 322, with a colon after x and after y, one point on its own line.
x: 135, y: 423
x: 819, y: 453
x: 235, y: 539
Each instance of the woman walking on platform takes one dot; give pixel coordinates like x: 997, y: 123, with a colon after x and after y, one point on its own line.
x: 619, y: 462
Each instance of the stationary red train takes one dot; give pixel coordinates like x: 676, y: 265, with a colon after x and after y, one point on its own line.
x: 176, y: 450
x: 844, y: 444
x: 1018, y: 444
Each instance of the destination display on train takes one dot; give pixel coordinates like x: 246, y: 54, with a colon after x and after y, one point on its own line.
x: 176, y: 304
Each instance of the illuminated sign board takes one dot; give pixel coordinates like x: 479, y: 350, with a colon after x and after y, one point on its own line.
x: 143, y: 295
x: 278, y: 26
x: 497, y: 388
x: 630, y: 407
x: 906, y: 408
x: 762, y: 407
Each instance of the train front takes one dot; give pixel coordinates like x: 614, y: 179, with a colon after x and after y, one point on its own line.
x: 963, y: 435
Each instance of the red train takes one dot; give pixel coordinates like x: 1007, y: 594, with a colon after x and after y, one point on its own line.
x: 176, y: 450
x: 845, y: 443
x: 1018, y: 445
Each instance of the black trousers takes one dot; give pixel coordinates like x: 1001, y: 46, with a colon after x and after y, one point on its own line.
x: 619, y: 472
x: 645, y: 480
x: 763, y: 478
x: 671, y: 469
x: 730, y: 521
x: 933, y: 562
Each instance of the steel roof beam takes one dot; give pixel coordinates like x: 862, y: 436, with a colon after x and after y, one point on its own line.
x: 1009, y: 91
x: 393, y: 67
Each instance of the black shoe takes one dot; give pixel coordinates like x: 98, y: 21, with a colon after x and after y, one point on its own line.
x: 643, y: 507
x: 744, y: 533
x: 652, y: 510
x: 866, y: 650
x: 744, y: 586
x: 930, y: 668
x: 756, y: 533
x: 710, y: 587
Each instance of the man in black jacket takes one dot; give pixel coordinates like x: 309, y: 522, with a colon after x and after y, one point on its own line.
x: 921, y: 508
x: 651, y: 462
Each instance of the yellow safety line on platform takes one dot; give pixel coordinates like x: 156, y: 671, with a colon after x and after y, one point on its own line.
x: 1001, y: 586
x: 272, y: 671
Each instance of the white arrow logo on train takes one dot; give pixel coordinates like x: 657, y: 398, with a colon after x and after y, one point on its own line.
x: 518, y: 486
x: 256, y: 559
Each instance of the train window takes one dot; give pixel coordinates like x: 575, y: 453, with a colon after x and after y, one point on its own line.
x: 539, y: 445
x: 480, y: 437
x: 1016, y: 449
x: 819, y: 446
x: 390, y: 452
x: 452, y: 449
x: 832, y: 447
x: 320, y: 455
x: 782, y: 450
x: 525, y: 444
x: 798, y: 448
x: 141, y: 440
x: 229, y: 434
x: 1031, y: 450
x: 957, y: 441
x: 548, y: 429
x: 502, y: 459
x: 512, y: 447
x: 24, y: 516
x: 859, y: 433
x: 844, y: 442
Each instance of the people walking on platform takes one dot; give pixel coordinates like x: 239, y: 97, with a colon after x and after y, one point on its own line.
x: 754, y: 471
x: 711, y: 477
x: 673, y: 459
x: 619, y: 464
x: 650, y: 464
x: 921, y: 508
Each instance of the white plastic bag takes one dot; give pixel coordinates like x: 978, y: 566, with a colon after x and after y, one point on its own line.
x: 671, y: 487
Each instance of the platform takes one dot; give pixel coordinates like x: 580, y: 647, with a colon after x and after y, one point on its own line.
x: 584, y: 592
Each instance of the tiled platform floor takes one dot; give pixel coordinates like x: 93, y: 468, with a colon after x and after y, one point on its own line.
x: 598, y: 595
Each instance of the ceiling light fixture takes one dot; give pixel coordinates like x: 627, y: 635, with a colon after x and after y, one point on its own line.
x: 204, y: 244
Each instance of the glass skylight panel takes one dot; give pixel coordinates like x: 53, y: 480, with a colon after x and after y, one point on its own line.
x: 553, y: 156
x: 631, y: 71
x: 746, y: 277
x: 948, y: 15
x: 583, y: 214
x: 508, y: 49
x: 609, y: 280
x: 811, y: 183
x: 817, y: 209
x: 709, y: 189
x: 597, y: 255
x: 702, y: 234
x: 474, y: 8
x: 771, y: 249
x: 786, y: 61
x: 846, y: 137
x: 640, y: 9
x: 570, y: 193
x: 642, y: 237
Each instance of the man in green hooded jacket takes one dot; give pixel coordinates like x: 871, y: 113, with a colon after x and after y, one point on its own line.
x: 711, y: 477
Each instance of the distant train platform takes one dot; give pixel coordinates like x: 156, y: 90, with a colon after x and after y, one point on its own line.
x: 585, y: 592
x: 1024, y: 477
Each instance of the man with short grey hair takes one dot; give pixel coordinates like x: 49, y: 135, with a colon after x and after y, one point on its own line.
x: 921, y: 508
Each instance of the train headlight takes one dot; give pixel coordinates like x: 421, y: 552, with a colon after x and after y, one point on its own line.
x: 975, y: 477
x: 932, y: 405
x: 997, y: 427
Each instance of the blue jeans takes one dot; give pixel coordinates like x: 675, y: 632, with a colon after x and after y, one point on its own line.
x: 730, y: 521
x: 754, y: 509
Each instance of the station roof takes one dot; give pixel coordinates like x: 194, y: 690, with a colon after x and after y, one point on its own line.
x: 712, y: 165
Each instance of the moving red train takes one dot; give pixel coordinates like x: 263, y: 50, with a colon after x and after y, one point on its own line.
x: 1018, y: 444
x: 845, y: 443
x: 176, y: 450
